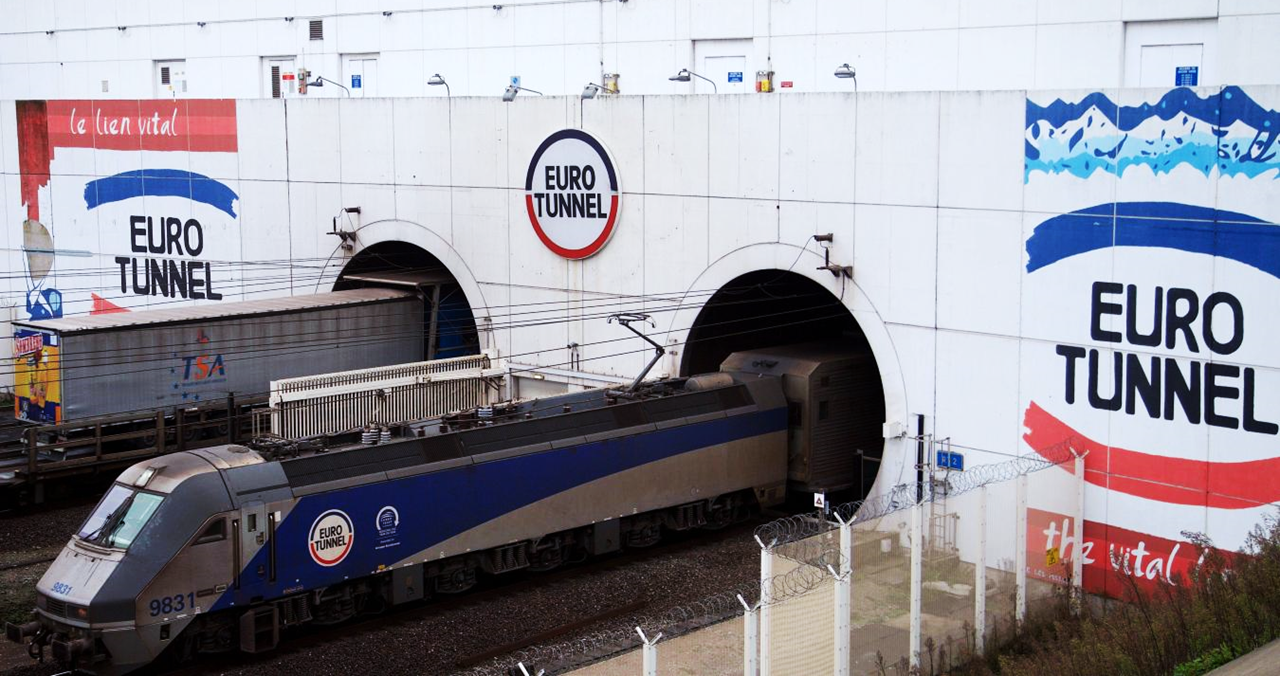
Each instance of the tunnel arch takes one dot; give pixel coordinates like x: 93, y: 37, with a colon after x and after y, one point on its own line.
x: 449, y: 324
x: 837, y: 310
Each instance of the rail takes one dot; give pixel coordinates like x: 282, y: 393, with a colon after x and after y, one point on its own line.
x: 93, y: 445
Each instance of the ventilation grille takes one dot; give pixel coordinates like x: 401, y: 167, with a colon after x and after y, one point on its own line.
x: 275, y: 82
x: 164, y: 75
x: 55, y: 607
x: 317, y: 29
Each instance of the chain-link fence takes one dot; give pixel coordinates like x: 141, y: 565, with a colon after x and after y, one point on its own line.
x: 912, y: 581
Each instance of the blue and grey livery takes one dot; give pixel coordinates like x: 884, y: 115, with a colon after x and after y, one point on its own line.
x: 219, y: 549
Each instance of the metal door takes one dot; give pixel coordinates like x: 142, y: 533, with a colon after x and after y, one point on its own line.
x: 278, y: 78
x: 253, y: 534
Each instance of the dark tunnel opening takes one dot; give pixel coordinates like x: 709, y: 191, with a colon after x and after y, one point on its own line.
x: 784, y: 324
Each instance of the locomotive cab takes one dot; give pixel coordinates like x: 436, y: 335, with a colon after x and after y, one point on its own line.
x: 155, y: 552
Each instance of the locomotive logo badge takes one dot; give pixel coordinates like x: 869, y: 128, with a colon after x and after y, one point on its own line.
x: 571, y: 194
x: 330, y: 538
x: 387, y: 524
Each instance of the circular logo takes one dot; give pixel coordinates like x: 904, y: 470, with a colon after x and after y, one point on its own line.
x: 571, y: 193
x: 388, y: 518
x: 330, y: 538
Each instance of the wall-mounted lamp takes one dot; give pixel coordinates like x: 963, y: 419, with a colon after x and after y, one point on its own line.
x: 825, y: 241
x: 845, y: 71
x: 684, y: 76
x: 510, y: 94
x: 122, y: 28
x: 288, y: 18
x: 497, y: 8
x: 437, y: 80
x: 200, y: 24
x: 48, y: 33
x: 319, y: 82
x: 386, y: 14
x: 590, y: 91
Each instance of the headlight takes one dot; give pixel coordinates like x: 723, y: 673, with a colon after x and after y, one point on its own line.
x: 78, y: 613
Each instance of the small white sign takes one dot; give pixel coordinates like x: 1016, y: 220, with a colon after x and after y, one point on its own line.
x: 820, y: 500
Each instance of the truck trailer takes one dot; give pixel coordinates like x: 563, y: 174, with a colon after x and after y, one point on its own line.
x: 107, y: 364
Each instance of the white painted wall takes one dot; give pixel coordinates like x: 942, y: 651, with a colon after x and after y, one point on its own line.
x: 69, y: 48
x: 929, y: 193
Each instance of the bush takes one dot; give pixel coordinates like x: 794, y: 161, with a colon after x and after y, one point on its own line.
x: 1230, y: 606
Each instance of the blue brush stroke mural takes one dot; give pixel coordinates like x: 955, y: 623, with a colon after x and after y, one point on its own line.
x: 1167, y: 225
x: 1227, y: 130
x: 160, y: 183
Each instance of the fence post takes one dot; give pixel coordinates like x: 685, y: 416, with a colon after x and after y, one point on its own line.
x: 980, y: 576
x: 844, y: 597
x: 766, y: 596
x: 649, y: 653
x: 1020, y: 556
x: 917, y: 581
x: 1077, y: 555
x: 750, y: 646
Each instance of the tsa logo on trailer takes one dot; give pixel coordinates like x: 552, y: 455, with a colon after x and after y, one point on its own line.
x: 330, y: 538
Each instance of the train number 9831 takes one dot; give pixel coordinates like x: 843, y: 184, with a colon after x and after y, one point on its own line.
x: 172, y: 604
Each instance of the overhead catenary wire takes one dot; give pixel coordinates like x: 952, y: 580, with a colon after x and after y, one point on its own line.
x: 646, y: 349
x: 563, y: 315
x: 476, y: 309
x: 603, y: 310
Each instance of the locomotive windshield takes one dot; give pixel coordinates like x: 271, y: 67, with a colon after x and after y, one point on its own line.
x: 116, y: 520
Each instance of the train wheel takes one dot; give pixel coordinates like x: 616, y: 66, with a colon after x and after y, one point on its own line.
x: 547, y: 559
x: 457, y: 580
x: 644, y: 535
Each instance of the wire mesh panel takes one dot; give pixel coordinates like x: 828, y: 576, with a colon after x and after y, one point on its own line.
x: 802, y: 624
x: 881, y: 599
x: 994, y: 522
x: 1052, y: 506
x: 712, y: 651
x: 947, y: 583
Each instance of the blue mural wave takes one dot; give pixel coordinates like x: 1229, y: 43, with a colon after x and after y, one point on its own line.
x: 1166, y: 225
x: 160, y: 183
x: 1227, y: 130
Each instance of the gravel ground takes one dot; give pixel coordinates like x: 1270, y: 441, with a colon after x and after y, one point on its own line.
x: 432, y: 644
x: 29, y: 537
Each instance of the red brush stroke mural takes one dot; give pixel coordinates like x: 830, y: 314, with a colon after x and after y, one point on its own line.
x: 34, y: 153
x: 1223, y: 485
x: 196, y: 126
x: 102, y: 306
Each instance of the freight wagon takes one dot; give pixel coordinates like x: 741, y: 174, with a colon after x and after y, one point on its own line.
x: 85, y: 366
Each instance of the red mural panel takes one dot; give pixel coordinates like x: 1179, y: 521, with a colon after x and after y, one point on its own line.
x: 1110, y: 553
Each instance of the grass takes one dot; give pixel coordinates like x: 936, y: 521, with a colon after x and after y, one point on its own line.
x: 1229, y: 606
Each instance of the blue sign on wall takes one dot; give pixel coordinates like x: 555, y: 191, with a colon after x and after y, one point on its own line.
x: 950, y: 460
x: 355, y: 81
x: 735, y: 76
x: 1187, y: 76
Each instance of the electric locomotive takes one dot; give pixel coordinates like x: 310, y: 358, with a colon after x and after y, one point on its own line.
x: 222, y: 548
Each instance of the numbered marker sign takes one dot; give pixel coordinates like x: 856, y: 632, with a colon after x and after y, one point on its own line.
x: 571, y: 193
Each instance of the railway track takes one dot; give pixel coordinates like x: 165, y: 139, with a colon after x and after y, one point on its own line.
x: 490, y: 602
x: 27, y: 563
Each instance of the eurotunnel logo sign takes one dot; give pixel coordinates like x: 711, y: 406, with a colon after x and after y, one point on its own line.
x: 571, y: 194
x: 1172, y: 344
x: 330, y: 538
